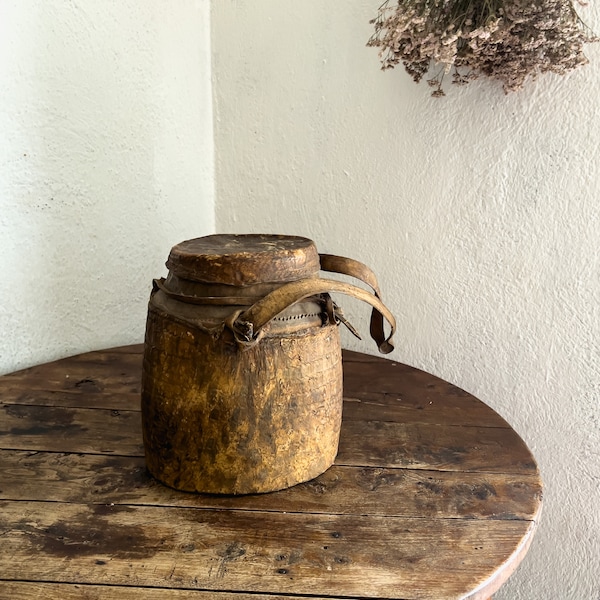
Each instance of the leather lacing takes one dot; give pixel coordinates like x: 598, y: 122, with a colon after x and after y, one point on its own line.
x: 297, y: 317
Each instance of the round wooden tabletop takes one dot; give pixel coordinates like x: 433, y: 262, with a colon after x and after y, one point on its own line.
x: 433, y: 495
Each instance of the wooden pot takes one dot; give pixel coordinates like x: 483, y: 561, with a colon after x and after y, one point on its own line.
x: 242, y: 375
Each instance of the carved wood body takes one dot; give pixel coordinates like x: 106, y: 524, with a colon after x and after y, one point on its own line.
x: 221, y: 420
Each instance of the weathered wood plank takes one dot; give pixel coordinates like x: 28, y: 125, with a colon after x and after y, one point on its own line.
x: 425, y: 446
x: 352, y: 356
x: 95, y: 372
x: 382, y: 407
x: 376, y: 378
x: 254, y: 551
x: 70, y: 398
x: 57, y: 429
x: 20, y: 590
x: 340, y: 490
x: 377, y: 407
x: 362, y: 443
x: 111, y: 379
x: 370, y: 443
x: 390, y: 388
x: 465, y: 411
x: 130, y: 349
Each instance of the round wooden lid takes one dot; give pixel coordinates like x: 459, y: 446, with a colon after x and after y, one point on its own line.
x: 244, y: 259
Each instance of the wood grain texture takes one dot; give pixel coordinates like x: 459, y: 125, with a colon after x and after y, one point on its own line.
x: 19, y: 590
x: 341, y: 490
x: 219, y: 420
x: 362, y: 443
x: 432, y: 496
x: 59, y: 429
x: 253, y: 551
x: 246, y: 259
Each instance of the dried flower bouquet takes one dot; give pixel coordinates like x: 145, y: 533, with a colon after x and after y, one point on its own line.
x: 507, y: 40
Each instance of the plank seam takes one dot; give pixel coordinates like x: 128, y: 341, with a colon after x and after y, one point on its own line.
x: 292, y: 596
x: 269, y: 511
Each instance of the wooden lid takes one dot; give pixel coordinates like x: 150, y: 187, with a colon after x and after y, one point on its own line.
x: 244, y: 259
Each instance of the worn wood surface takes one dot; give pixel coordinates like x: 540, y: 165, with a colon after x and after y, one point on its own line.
x: 219, y: 420
x: 433, y: 496
x: 244, y: 259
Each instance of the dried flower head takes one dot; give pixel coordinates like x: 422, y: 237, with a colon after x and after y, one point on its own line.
x: 507, y: 40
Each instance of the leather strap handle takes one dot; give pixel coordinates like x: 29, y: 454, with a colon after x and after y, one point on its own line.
x: 350, y: 267
x: 248, y: 325
x: 358, y: 270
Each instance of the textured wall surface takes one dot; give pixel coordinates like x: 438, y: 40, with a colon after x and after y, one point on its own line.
x: 479, y: 212
x: 106, y: 161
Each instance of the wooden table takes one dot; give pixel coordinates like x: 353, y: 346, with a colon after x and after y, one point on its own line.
x: 433, y: 495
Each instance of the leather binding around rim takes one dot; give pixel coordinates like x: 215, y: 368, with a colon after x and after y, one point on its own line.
x: 248, y: 325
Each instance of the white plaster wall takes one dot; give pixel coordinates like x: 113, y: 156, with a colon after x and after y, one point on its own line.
x: 479, y: 212
x: 106, y: 161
